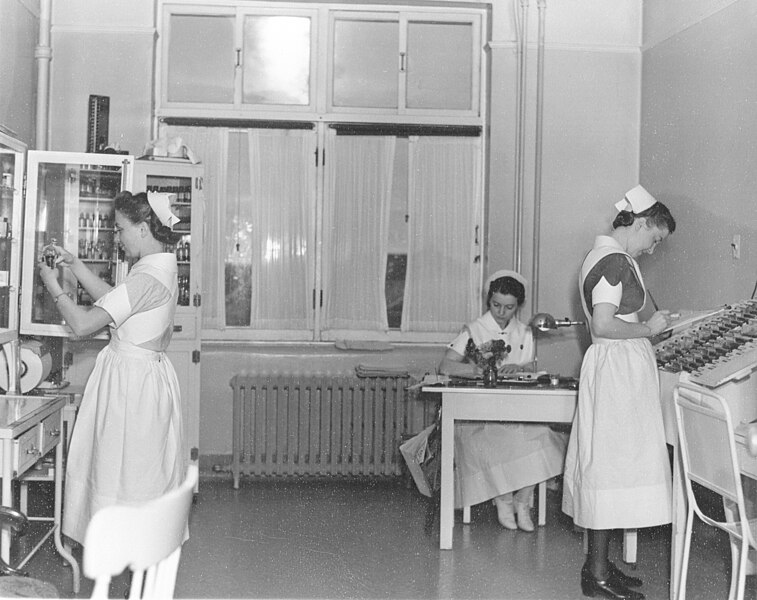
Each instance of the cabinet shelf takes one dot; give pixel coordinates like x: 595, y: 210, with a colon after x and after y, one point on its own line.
x: 95, y: 198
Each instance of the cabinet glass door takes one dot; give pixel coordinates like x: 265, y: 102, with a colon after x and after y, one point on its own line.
x: 408, y: 63
x: 440, y: 64
x: 70, y: 202
x: 201, y: 73
x: 365, y: 61
x: 184, y: 180
x: 12, y: 156
x: 181, y: 188
x: 262, y: 57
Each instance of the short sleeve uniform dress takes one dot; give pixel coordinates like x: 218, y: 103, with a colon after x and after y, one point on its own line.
x: 617, y: 471
x: 493, y: 458
x: 127, y: 444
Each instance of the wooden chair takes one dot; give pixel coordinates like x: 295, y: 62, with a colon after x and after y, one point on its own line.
x: 146, y: 538
x: 709, y: 458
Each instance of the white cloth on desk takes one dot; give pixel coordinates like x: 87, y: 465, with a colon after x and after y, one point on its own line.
x: 127, y: 444
x: 617, y: 471
x: 493, y: 458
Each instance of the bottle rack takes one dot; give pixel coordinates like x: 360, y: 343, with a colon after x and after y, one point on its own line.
x: 96, y: 232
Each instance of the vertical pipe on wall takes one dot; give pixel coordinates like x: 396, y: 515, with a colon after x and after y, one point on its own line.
x: 542, y: 5
x: 521, y: 28
x: 43, y: 54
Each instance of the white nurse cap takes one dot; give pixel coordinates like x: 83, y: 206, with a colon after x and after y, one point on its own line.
x: 636, y: 200
x: 504, y: 273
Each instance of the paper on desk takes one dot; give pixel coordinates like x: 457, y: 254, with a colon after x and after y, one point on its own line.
x: 429, y: 379
x: 689, y: 317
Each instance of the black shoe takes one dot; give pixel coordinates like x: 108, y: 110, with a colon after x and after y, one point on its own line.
x: 620, y: 577
x: 591, y: 586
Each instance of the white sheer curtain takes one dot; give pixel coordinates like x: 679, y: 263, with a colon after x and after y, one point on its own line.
x: 210, y: 145
x: 355, y: 225
x: 282, y: 191
x: 444, y: 199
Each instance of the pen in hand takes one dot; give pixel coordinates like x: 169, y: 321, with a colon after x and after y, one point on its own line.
x: 651, y: 297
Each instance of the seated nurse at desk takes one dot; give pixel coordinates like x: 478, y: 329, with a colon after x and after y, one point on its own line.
x: 502, y: 462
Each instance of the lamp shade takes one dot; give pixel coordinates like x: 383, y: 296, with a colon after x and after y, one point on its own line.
x: 546, y: 322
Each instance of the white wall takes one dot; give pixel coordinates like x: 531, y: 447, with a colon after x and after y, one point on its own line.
x: 699, y: 147
x: 18, y: 74
x: 590, y: 148
x: 107, y: 52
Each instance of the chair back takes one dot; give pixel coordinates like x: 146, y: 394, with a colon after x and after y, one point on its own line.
x: 708, y: 451
x: 145, y: 538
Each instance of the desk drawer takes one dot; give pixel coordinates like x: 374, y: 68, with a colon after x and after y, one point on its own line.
x: 49, y: 432
x: 26, y: 450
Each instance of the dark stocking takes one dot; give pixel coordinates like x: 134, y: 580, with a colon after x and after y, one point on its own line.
x: 599, y: 551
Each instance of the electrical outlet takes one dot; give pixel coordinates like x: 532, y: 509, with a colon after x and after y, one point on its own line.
x: 736, y: 246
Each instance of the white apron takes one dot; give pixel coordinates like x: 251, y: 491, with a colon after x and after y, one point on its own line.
x: 127, y: 443
x: 617, y: 471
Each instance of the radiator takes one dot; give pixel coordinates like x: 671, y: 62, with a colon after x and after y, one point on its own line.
x: 322, y: 424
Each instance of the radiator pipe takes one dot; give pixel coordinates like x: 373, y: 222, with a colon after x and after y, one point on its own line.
x: 542, y: 6
x: 521, y: 28
x: 43, y: 55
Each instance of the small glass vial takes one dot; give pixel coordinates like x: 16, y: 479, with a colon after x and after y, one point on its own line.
x: 49, y: 254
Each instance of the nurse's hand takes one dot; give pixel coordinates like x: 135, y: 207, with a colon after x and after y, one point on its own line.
x: 63, y: 256
x: 47, y: 274
x: 658, y: 322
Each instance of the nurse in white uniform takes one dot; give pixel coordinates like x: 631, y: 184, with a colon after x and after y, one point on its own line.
x: 617, y: 471
x: 127, y: 444
x: 494, y: 461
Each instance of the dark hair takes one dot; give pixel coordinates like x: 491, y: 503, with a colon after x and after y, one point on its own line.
x: 656, y: 215
x: 507, y: 285
x: 136, y: 208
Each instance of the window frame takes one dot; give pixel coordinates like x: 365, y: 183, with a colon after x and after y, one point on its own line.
x: 321, y: 116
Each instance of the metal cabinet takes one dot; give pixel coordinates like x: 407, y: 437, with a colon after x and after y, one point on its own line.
x: 12, y: 159
x: 69, y: 201
x: 184, y: 179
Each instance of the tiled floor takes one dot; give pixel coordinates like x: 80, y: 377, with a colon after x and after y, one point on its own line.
x: 372, y: 539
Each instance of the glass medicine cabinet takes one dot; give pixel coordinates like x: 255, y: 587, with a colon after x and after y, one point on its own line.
x: 12, y: 156
x: 70, y: 202
x: 183, y: 180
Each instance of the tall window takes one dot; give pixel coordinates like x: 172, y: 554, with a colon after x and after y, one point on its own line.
x: 382, y: 243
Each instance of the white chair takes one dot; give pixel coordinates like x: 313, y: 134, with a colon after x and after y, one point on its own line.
x: 146, y: 538
x: 709, y: 458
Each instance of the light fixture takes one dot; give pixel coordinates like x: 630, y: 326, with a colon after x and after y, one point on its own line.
x: 546, y: 322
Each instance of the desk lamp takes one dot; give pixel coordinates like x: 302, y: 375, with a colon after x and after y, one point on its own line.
x: 546, y: 322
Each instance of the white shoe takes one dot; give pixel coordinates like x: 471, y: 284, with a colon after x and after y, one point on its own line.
x: 505, y: 513
x: 524, y: 516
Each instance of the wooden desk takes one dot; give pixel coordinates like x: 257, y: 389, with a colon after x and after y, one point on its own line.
x: 528, y: 403
x: 30, y: 427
